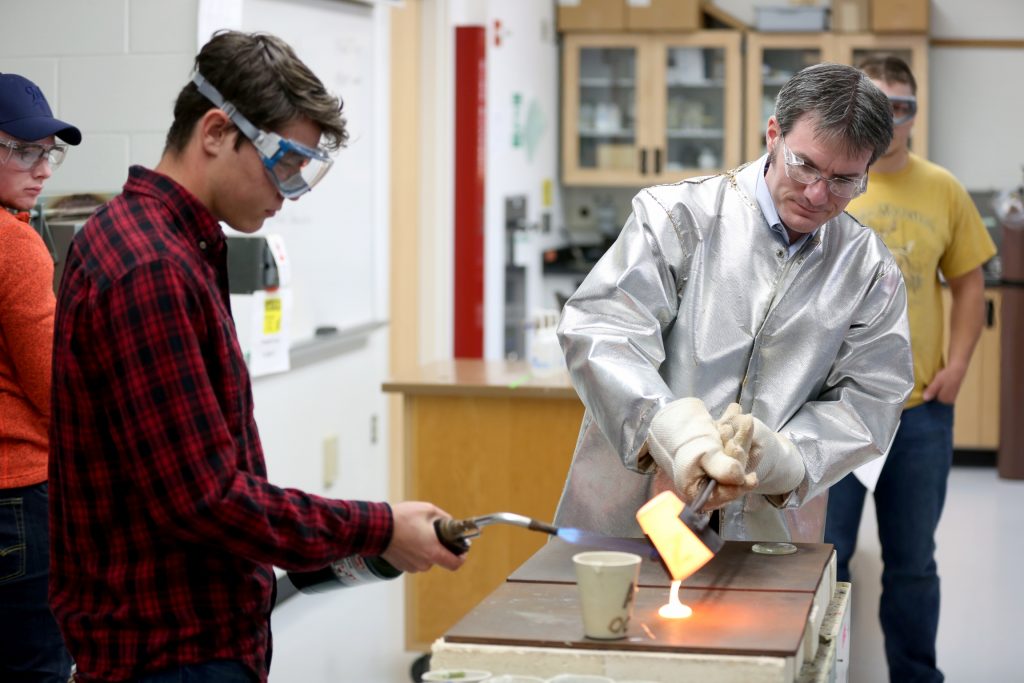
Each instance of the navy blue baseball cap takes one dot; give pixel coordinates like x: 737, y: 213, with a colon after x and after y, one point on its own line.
x: 25, y: 114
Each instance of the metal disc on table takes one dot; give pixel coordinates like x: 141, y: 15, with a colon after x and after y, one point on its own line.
x: 774, y: 548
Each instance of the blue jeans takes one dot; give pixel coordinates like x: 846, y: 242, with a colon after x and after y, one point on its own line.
x: 908, y: 499
x: 31, y: 647
x: 222, y: 671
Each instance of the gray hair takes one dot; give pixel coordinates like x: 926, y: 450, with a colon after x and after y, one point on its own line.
x: 843, y: 104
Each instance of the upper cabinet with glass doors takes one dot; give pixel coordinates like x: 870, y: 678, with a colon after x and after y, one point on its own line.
x: 773, y: 57
x: 852, y: 48
x: 640, y: 109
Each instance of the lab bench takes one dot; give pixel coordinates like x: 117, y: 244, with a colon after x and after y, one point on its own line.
x: 756, y: 619
x: 481, y: 437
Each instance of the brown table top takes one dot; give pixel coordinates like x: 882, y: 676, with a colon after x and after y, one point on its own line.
x: 748, y: 623
x: 474, y: 377
x: 735, y: 567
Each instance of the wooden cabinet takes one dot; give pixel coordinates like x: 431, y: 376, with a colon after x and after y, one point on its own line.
x: 640, y: 109
x: 481, y: 437
x: 976, y: 416
x: 773, y: 57
x: 852, y: 48
x: 626, y: 15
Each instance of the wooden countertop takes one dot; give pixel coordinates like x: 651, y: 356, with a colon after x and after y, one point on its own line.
x: 472, y: 377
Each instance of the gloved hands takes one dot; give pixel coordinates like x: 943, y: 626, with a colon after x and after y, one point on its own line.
x: 687, y: 445
x: 771, y: 456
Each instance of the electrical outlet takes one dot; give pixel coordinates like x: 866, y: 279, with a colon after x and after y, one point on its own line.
x: 582, y: 217
x: 331, y: 460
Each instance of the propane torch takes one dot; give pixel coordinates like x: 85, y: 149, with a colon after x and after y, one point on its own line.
x: 454, y: 534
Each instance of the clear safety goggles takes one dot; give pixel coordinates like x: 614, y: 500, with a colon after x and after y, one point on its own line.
x: 797, y: 169
x: 293, y: 167
x: 25, y: 155
x: 904, y: 108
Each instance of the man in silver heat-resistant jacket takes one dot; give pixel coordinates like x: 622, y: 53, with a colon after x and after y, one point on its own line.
x: 750, y: 297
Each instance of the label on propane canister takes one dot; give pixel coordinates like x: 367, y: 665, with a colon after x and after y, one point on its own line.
x: 356, y: 570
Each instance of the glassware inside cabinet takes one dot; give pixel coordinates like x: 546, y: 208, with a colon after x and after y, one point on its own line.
x: 607, y: 108
x: 695, y: 108
x: 778, y: 65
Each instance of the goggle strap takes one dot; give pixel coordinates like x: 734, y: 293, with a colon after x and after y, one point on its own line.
x: 211, y: 93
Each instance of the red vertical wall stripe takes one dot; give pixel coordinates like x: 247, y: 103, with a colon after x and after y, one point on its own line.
x: 470, y: 109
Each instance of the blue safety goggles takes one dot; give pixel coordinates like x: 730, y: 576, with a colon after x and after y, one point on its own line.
x: 293, y: 167
x: 904, y: 108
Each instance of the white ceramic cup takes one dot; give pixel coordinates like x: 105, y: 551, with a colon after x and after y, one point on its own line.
x: 607, y: 582
x: 457, y: 675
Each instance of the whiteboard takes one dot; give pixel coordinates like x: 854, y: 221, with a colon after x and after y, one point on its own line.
x: 334, y: 234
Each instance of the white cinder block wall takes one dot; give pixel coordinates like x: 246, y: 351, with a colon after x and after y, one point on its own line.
x: 113, y: 68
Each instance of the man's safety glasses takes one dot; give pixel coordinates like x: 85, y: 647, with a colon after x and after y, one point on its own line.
x: 293, y: 167
x: 25, y: 155
x: 798, y: 170
x: 904, y: 108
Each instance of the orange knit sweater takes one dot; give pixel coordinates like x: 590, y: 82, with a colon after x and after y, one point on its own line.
x: 26, y: 342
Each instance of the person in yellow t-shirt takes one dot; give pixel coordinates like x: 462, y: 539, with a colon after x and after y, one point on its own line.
x: 931, y: 226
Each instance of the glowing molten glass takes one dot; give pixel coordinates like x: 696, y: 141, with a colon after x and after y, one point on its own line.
x: 674, y: 609
x: 680, y: 549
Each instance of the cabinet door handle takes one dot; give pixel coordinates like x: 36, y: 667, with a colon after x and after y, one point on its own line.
x: 990, y: 313
x: 643, y: 160
x: 657, y: 161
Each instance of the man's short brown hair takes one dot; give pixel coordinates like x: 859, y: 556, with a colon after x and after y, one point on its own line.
x: 888, y: 69
x: 260, y: 74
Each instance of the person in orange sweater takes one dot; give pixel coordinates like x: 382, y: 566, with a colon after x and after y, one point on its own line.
x: 31, y: 647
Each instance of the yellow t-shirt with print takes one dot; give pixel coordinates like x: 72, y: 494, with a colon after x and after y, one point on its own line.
x: 930, y: 224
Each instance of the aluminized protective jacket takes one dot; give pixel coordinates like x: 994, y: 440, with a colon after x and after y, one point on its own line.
x: 699, y: 297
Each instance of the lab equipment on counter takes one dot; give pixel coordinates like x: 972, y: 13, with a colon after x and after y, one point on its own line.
x: 259, y: 278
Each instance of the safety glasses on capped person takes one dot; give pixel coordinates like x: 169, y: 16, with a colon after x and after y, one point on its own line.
x: 293, y: 167
x: 25, y: 155
x: 798, y: 170
x: 904, y: 108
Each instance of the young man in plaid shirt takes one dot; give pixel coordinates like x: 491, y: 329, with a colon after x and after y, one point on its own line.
x: 165, y: 529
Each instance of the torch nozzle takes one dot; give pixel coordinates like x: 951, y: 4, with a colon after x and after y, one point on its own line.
x: 457, y: 532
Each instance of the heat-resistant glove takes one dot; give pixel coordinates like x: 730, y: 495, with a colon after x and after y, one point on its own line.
x: 769, y: 455
x: 686, y: 444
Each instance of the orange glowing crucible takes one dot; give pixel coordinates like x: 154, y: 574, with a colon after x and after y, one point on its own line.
x: 680, y: 548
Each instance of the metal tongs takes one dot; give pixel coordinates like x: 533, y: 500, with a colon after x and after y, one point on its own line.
x: 455, y: 534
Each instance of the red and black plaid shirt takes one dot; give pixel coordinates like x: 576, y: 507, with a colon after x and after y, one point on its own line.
x: 164, y: 527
